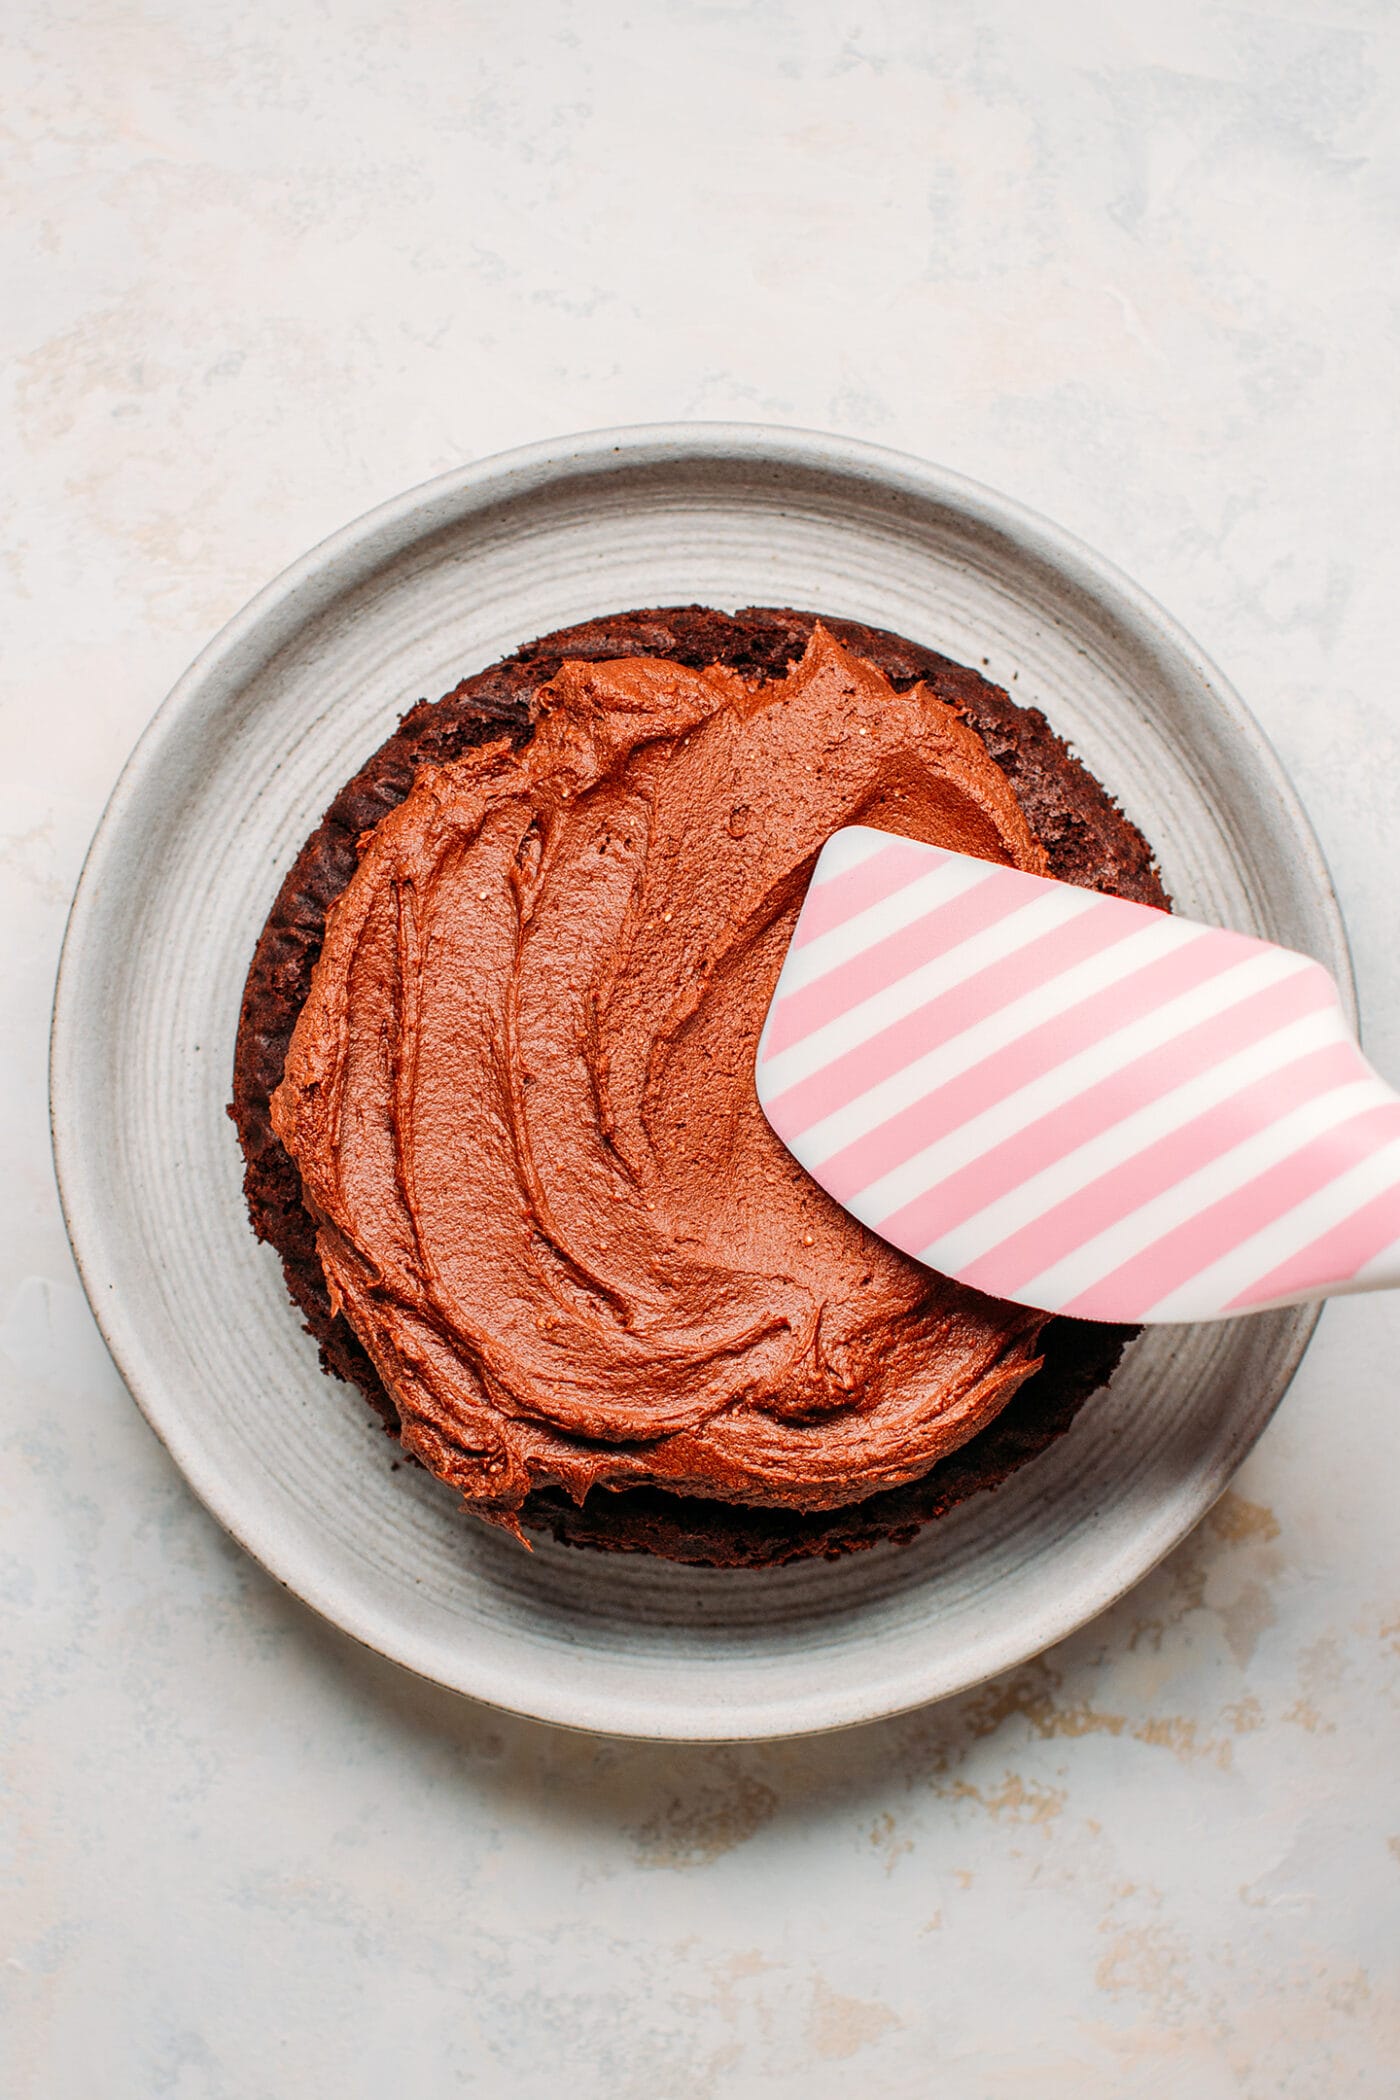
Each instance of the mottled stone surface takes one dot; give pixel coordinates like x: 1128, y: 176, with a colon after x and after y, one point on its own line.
x: 1135, y: 266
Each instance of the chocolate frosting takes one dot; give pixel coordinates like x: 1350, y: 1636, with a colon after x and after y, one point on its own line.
x: 520, y: 1097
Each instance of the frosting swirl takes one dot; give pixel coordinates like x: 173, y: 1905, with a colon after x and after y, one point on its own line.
x: 520, y: 1097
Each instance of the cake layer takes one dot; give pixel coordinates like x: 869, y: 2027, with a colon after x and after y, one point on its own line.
x: 962, y: 1349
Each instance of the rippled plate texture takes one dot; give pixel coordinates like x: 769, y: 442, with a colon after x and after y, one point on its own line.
x: 226, y: 784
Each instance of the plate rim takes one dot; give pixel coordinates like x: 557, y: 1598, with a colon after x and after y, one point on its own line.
x: 328, y: 569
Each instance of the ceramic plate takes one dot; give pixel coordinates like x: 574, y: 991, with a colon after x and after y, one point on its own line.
x: 227, y: 782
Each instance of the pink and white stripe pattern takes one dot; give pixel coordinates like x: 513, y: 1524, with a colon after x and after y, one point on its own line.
x: 1075, y: 1102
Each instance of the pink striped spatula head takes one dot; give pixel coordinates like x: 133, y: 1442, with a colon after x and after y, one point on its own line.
x: 1077, y: 1103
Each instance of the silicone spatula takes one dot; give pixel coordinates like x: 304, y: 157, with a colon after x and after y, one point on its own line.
x: 1080, y: 1104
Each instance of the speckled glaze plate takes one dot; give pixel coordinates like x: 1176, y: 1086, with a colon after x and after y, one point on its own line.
x: 218, y: 796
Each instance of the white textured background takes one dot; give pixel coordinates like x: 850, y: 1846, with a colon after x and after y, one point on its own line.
x: 1135, y: 265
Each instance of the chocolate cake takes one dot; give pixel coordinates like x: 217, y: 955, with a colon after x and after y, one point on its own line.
x: 533, y: 1210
